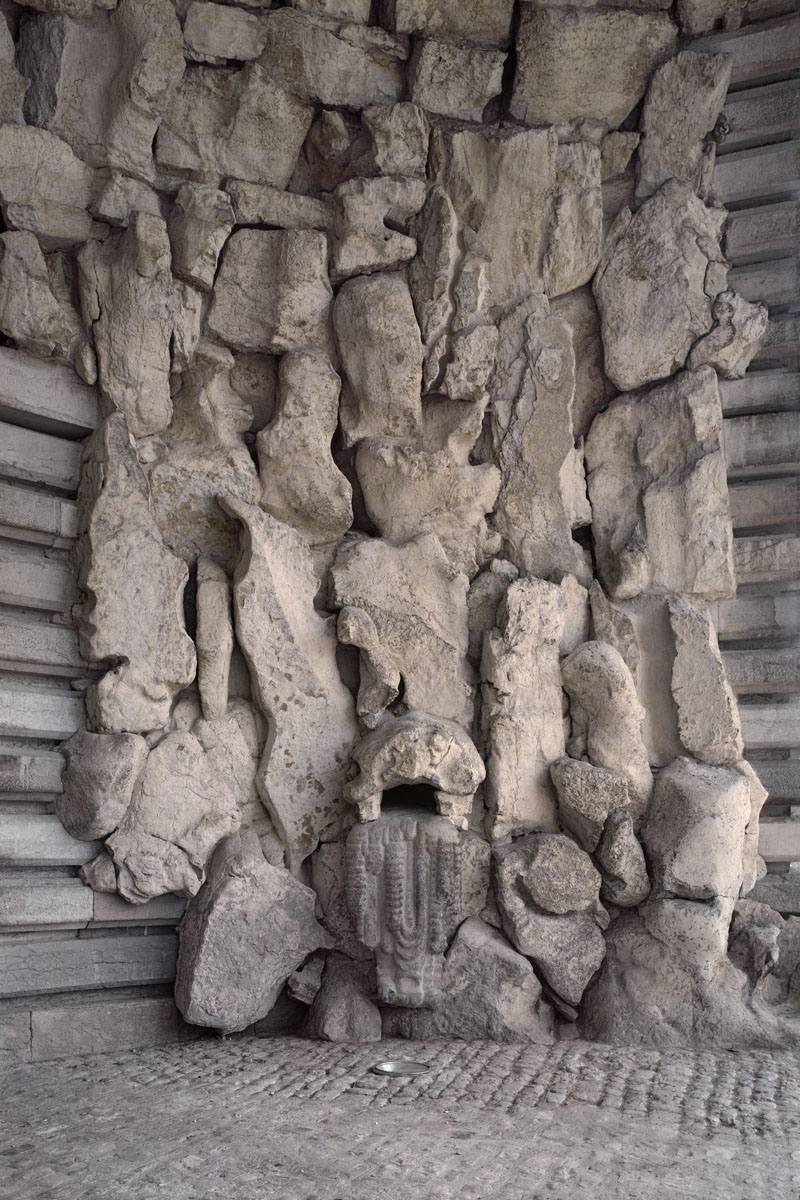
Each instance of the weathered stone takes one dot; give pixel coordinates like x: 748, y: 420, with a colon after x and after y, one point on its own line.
x: 470, y: 363
x: 592, y: 389
x: 214, y: 637
x: 227, y: 122
x: 659, y: 453
x: 593, y: 65
x: 576, y: 232
x: 134, y: 58
x: 218, y: 31
x: 305, y: 982
x: 533, y: 391
x: 488, y: 991
x: 200, y: 455
x: 417, y: 602
x: 616, y: 152
x: 231, y: 970
x: 754, y: 939
x: 44, y: 188
x: 292, y: 661
x: 117, y: 197
x: 13, y: 86
x: 412, y: 749
x: 345, y: 10
x: 550, y: 871
x: 694, y: 833
x: 455, y: 81
x: 522, y: 721
x: 338, y: 147
x: 342, y: 1012
x: 697, y: 929
x: 500, y: 187
x: 704, y: 16
x: 128, y: 301
x: 607, y: 719
x: 708, y: 715
x: 134, y: 613
x: 187, y: 325
x: 272, y: 291
x: 199, y: 223
x: 379, y: 676
x: 752, y: 864
x: 431, y: 275
x: 739, y: 330
x: 29, y: 312
x: 379, y: 346
x: 653, y: 276
x: 254, y: 378
x: 363, y: 239
x: 179, y: 812
x: 612, y: 624
x: 683, y: 101
x: 98, y: 783
x: 301, y: 484
x: 99, y: 874
x: 400, y: 135
x: 587, y: 795
x: 483, y: 599
x: 621, y: 860
x: 483, y: 22
x: 314, y: 63
x: 260, y: 204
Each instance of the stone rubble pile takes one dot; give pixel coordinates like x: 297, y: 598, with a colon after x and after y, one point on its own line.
x: 406, y: 320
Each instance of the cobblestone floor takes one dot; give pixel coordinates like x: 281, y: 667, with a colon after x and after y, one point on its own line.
x: 287, y: 1119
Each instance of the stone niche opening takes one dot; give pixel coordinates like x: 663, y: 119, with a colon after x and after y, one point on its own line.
x: 418, y: 799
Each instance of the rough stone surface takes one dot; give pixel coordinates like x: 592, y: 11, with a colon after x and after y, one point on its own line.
x: 576, y: 235
x: 587, y: 796
x: 213, y: 638
x: 44, y: 186
x: 30, y: 313
x: 13, y: 85
x: 455, y: 81
x: 738, y: 333
x: 550, y: 871
x: 613, y: 625
x: 98, y: 782
x: 261, y: 204
x: 364, y: 237
x: 231, y: 971
x: 213, y: 31
x: 522, y: 721
x: 607, y: 718
x: 622, y: 863
x: 752, y: 863
x: 342, y: 1012
x: 199, y: 224
x: 400, y: 134
x: 482, y: 22
x: 708, y: 715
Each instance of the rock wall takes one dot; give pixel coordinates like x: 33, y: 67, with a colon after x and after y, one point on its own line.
x: 400, y: 531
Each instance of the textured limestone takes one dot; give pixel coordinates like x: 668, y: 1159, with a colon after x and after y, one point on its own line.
x: 576, y: 233
x: 37, y: 320
x: 379, y: 676
x: 694, y: 833
x: 187, y: 325
x: 522, y: 722
x: 752, y: 863
x: 301, y: 485
x: 708, y: 715
x: 218, y: 31
x: 231, y: 970
x: 592, y: 389
x: 117, y: 196
x: 226, y: 122
x: 128, y: 301
x: 500, y: 187
x: 616, y: 151
x: 364, y: 237
x: 98, y: 782
x: 683, y: 101
x: 261, y: 204
x: 417, y: 601
x: 272, y: 291
x: 342, y: 1011
x: 613, y: 625
x: 292, y: 661
x: 659, y: 454
x: 543, y: 494
x: 400, y: 135
x: 470, y: 364
x: 199, y: 224
x: 576, y: 614
x: 587, y: 795
x: 607, y: 718
x: 180, y: 811
x: 755, y: 938
x: 739, y: 330
x: 412, y: 749
x: 455, y: 81
x: 431, y: 275
x: 621, y: 860
x: 213, y: 638
x: 482, y: 22
x: 379, y: 346
x: 134, y: 613
x: 44, y: 186
x: 134, y: 58
x: 200, y: 455
x: 485, y: 593
x: 594, y: 65
x: 653, y: 275
x: 550, y: 871
x: 13, y: 85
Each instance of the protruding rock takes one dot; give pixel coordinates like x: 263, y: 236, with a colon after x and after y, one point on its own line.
x: 683, y: 101
x: 118, y: 196
x: 455, y: 81
x: 200, y: 222
x: 469, y: 365
x: 653, y: 276
x: 13, y: 85
x: 483, y: 599
x: 363, y: 238
x: 227, y: 122
x: 576, y: 233
x: 134, y: 615
x: 754, y: 939
x: 607, y: 719
x: 272, y: 291
x: 431, y: 275
x: 231, y: 970
x: 482, y: 22
x: 128, y: 301
x: 417, y: 602
x: 551, y: 871
x: 179, y: 813
x: 214, y: 637
x: 739, y: 330
x: 522, y: 721
x: 379, y: 345
x: 708, y: 715
x: 44, y: 188
x: 379, y: 676
x: 659, y: 453
x: 400, y: 134
x: 577, y: 64
x: 261, y: 204
x: 694, y: 833
x: 613, y: 625
x: 616, y: 152
x: 219, y: 31
x: 36, y: 319
x: 301, y: 485
x: 342, y: 1011
x: 621, y: 860
x: 587, y: 795
x: 98, y: 783
x: 752, y: 863
x: 292, y: 661
x: 412, y: 749
x: 99, y: 874
x: 134, y: 58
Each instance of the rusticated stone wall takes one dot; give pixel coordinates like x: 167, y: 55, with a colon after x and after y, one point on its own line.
x: 407, y: 321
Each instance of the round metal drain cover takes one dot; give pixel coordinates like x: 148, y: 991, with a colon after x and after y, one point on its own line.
x: 401, y: 1067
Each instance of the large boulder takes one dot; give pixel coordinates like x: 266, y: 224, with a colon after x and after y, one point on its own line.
x: 98, y: 782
